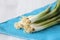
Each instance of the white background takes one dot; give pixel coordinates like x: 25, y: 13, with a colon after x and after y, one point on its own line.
x: 13, y: 8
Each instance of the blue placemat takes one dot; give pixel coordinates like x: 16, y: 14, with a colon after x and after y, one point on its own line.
x: 52, y: 33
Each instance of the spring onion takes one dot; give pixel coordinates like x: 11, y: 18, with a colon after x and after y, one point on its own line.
x: 43, y: 20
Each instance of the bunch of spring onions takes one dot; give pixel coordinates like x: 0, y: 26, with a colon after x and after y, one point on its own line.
x: 43, y: 20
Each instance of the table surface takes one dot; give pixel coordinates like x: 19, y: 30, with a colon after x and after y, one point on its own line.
x: 6, y: 37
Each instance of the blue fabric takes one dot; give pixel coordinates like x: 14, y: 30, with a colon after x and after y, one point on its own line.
x: 52, y: 33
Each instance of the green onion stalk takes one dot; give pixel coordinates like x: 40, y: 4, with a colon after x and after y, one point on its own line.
x: 43, y: 20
